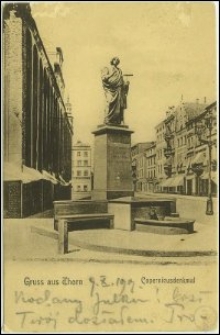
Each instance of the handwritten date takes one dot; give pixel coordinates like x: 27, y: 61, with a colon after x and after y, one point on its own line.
x: 107, y: 301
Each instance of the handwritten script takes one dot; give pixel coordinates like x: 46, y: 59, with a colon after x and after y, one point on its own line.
x: 113, y: 302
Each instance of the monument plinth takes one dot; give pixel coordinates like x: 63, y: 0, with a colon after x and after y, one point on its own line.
x: 112, y: 162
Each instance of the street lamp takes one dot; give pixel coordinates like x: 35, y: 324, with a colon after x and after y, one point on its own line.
x: 200, y: 130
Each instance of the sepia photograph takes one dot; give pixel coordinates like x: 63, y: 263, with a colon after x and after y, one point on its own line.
x: 110, y: 167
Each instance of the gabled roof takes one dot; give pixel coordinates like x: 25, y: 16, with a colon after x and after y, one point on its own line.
x: 193, y: 109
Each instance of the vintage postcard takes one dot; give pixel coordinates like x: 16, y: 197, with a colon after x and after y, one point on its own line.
x: 110, y: 167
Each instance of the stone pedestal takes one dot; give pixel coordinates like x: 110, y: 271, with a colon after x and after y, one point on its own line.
x: 112, y: 162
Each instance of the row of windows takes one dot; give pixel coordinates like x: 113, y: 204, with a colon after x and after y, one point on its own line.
x: 160, y: 169
x: 192, y: 141
x: 171, y: 127
x: 140, y: 173
x: 82, y: 163
x: 150, y: 152
x: 85, y: 153
x: 160, y: 154
x: 151, y: 174
x: 151, y: 161
x: 81, y: 173
x: 181, y: 141
x: 140, y: 162
x: 81, y: 188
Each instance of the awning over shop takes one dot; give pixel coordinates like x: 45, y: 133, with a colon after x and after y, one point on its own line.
x: 177, y: 181
x: 34, y: 174
x: 190, y: 176
x: 164, y: 183
x: 22, y: 173
x: 205, y: 175
x: 199, y: 158
x: 173, y: 182
x: 63, y: 182
x: 50, y: 177
x: 26, y: 174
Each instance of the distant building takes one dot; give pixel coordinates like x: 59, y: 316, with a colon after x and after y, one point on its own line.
x: 150, y: 168
x: 37, y: 130
x: 139, y: 161
x: 176, y: 140
x: 81, y: 171
x: 197, y: 153
x: 186, y: 157
x: 160, y: 157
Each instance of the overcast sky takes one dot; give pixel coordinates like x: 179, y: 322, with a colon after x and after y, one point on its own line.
x: 169, y: 47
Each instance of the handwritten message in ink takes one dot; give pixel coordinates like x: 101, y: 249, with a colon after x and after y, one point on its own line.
x: 106, y: 302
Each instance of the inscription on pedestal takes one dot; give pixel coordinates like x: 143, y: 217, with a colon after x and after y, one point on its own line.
x: 119, y: 167
x: 119, y: 138
x: 112, y: 169
x: 121, y: 153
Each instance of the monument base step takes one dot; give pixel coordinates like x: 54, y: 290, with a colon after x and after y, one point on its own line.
x: 170, y: 226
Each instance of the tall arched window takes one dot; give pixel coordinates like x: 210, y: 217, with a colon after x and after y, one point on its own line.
x: 40, y: 117
x: 45, y: 120
x: 35, y: 108
x: 27, y: 98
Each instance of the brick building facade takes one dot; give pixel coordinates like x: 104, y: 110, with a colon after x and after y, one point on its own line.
x: 37, y: 129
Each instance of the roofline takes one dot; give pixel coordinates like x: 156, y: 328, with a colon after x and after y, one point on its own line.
x: 160, y: 123
x: 199, y: 116
x: 141, y: 143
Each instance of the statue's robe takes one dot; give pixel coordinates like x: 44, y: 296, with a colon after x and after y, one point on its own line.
x: 115, y: 92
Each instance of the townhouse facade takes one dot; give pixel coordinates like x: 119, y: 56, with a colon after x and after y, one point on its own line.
x: 160, y: 157
x: 150, y: 168
x: 202, y: 152
x: 184, y: 153
x: 139, y: 166
x: 81, y: 171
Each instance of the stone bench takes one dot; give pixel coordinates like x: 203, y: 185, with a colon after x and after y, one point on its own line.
x: 77, y: 207
x: 67, y: 223
x: 171, y: 226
